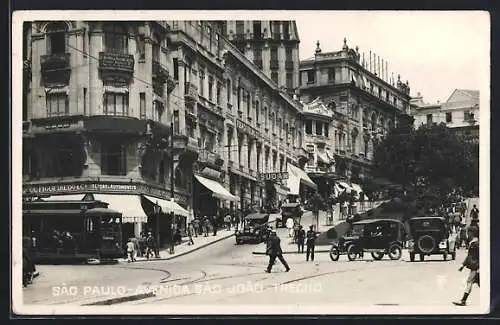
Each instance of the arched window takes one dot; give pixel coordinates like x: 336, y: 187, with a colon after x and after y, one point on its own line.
x: 179, y: 177
x: 161, y: 172
x: 354, y: 140
x: 374, y: 122
x: 116, y: 38
x: 56, y: 37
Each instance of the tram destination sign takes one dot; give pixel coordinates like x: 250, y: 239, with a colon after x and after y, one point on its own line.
x: 277, y: 176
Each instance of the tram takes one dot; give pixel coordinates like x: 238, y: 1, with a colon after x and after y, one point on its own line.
x: 72, y: 230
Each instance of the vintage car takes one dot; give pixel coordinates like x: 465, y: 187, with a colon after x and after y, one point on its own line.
x: 378, y: 236
x: 293, y: 210
x: 255, y: 229
x: 430, y: 235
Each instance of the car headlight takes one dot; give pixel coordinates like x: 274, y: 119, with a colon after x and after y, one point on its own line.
x: 410, y: 244
x: 442, y: 244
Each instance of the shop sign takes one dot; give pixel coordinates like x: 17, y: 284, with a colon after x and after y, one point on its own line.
x: 101, y: 187
x: 277, y: 176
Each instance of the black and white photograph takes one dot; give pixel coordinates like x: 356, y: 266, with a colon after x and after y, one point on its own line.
x: 250, y: 162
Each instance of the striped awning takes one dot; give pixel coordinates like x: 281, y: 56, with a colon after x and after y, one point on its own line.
x: 323, y: 157
x: 169, y: 206
x: 128, y: 205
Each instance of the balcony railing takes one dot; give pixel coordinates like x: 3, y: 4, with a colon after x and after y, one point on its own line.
x: 116, y: 62
x: 276, y: 36
x: 274, y: 64
x: 190, y: 92
x: 239, y: 37
x: 159, y: 72
x: 55, y: 67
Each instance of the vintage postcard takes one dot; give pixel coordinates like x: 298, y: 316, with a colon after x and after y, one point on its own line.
x: 250, y: 162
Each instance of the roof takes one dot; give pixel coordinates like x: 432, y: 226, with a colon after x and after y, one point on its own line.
x: 368, y: 221
x: 463, y: 94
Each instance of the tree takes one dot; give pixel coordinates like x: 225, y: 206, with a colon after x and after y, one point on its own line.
x: 431, y: 162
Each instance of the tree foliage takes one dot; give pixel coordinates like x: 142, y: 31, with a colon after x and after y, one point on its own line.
x: 431, y: 161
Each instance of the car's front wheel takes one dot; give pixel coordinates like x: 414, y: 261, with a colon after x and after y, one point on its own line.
x: 334, y: 253
x: 395, y: 252
x: 352, y: 252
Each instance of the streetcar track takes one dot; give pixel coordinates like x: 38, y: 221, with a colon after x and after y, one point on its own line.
x: 203, y: 276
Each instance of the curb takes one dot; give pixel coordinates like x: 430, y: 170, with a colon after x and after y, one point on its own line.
x: 120, y: 300
x: 296, y: 253
x: 183, y: 253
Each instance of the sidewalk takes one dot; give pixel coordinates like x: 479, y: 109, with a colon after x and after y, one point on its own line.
x: 308, y: 219
x: 184, y: 248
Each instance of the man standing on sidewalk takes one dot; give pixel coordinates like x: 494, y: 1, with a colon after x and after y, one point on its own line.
x: 311, y: 242
x: 301, y: 237
x: 274, y: 251
x: 472, y: 263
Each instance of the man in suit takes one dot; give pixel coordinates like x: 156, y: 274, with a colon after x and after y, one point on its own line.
x: 310, y: 243
x: 472, y: 263
x: 274, y: 251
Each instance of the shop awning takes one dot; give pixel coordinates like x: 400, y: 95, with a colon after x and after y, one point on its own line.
x: 66, y: 197
x: 345, y: 186
x: 280, y: 190
x: 128, y: 205
x: 218, y: 190
x: 297, y: 176
x: 169, y: 206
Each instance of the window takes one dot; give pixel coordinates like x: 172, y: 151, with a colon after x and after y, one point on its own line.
x: 274, y: 53
x: 142, y: 105
x: 257, y: 54
x: 468, y: 116
x: 156, y: 48
x: 158, y: 109
x: 84, y: 101
x: 113, y: 158
x: 176, y: 68
x: 308, y: 127
x: 240, y: 28
x: 429, y: 118
x: 209, y: 35
x: 115, y: 38
x: 299, y: 138
x: 326, y: 129
x: 57, y: 104
x: 218, y: 94
x: 286, y: 132
x: 141, y: 47
x: 354, y: 139
x: 289, y: 80
x: 202, y: 82
x: 116, y: 104
x: 240, y: 90
x: 176, y: 122
x: 286, y: 30
x: 448, y: 117
x: 310, y: 76
x: 257, y: 111
x: 210, y: 88
x: 272, y: 122
x: 229, y: 90
x: 319, y: 128
x: 331, y: 74
x: 56, y: 34
x: 248, y: 104
x: 288, y: 52
x: 274, y: 76
x: 257, y: 32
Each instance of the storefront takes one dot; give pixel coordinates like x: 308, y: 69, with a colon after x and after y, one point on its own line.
x: 211, y: 196
x: 143, y: 207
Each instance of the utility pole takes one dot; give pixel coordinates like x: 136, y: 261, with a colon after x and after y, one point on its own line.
x: 172, y: 197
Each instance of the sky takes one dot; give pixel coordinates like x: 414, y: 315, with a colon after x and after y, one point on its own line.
x: 435, y: 51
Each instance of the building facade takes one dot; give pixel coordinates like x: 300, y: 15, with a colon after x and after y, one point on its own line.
x: 128, y: 110
x: 273, y: 46
x: 350, y: 104
x: 460, y: 112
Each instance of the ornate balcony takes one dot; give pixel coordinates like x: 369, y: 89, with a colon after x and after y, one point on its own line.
x: 159, y: 72
x: 190, y: 93
x: 55, y: 68
x: 210, y: 158
x: 116, y: 67
x: 186, y: 145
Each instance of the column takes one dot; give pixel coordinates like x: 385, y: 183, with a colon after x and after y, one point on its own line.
x: 95, y: 87
x: 254, y: 157
x: 244, y: 151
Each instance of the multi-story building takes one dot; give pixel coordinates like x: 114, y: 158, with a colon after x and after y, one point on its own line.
x: 273, y: 46
x: 103, y: 98
x: 460, y: 113
x: 349, y: 105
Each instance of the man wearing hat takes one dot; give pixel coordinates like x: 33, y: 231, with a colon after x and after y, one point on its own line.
x: 310, y: 242
x: 274, y: 251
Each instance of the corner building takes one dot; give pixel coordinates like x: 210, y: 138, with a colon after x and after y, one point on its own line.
x: 102, y: 99
x: 350, y: 102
